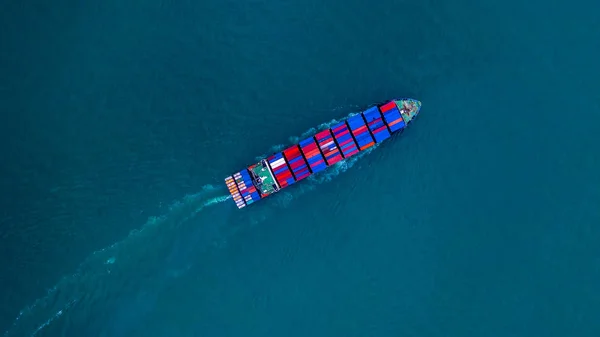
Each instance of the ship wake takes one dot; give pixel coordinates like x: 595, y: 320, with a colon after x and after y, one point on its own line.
x: 100, y: 268
x: 169, y: 239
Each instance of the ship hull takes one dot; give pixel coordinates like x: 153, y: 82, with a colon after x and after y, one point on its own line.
x: 314, y: 154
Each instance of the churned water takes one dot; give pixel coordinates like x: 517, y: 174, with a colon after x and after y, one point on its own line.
x: 121, y: 119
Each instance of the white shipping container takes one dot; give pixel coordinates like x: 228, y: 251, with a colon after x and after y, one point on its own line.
x: 327, y: 144
x: 278, y: 163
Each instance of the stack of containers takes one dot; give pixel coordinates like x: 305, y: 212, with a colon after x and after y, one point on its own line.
x: 246, y: 187
x: 328, y: 147
x: 280, y: 169
x: 392, y: 116
x: 312, y: 154
x: 297, y: 162
x: 376, y: 124
x: 235, y: 193
x: 360, y: 132
x: 344, y: 138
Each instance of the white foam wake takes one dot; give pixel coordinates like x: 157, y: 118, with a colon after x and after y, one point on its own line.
x: 308, y: 133
x: 69, y: 290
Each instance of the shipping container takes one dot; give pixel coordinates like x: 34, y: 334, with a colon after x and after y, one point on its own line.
x: 234, y: 191
x: 328, y: 147
x: 297, y: 162
x: 392, y: 116
x: 246, y: 187
x: 280, y: 168
x: 313, y: 155
x: 361, y: 132
x: 344, y: 138
x: 375, y: 123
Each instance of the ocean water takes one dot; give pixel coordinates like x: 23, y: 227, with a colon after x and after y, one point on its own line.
x: 120, y: 120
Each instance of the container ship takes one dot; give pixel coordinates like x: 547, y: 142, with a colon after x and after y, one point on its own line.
x: 314, y: 154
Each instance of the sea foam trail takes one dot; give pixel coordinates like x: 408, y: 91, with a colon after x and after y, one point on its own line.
x: 71, y: 289
x: 99, y: 268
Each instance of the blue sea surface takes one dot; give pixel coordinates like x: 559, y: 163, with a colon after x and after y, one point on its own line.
x: 120, y: 121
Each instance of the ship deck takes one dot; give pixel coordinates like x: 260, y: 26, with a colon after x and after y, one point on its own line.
x: 353, y: 134
x: 409, y: 109
x: 263, y: 178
